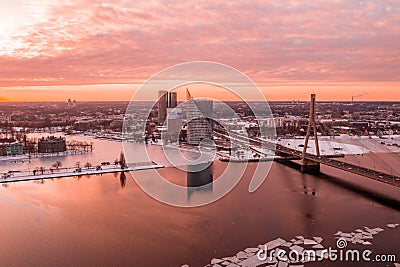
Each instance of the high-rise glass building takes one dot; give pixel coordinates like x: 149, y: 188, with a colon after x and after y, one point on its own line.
x: 199, y: 126
x: 166, y: 100
x: 162, y: 106
x: 172, y: 99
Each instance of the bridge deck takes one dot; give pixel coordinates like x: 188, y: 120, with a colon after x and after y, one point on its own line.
x: 366, y: 172
x: 292, y: 154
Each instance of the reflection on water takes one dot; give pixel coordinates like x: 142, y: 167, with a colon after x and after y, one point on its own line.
x: 199, y: 181
x: 122, y: 179
x: 200, y: 178
x: 308, y: 190
x: 108, y: 220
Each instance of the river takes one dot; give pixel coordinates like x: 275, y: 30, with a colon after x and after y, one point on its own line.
x: 107, y: 220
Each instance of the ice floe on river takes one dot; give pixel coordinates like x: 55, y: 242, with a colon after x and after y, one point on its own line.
x: 300, y: 246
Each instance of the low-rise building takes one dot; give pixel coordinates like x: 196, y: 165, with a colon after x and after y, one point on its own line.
x: 52, y: 144
x: 29, y: 147
x: 11, y: 149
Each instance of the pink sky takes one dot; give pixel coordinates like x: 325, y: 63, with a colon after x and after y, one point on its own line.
x: 102, y: 50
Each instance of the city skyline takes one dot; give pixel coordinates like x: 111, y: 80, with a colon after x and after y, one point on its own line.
x: 52, y: 52
x: 199, y: 133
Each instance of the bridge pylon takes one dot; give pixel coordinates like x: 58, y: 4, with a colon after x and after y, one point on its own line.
x: 308, y: 165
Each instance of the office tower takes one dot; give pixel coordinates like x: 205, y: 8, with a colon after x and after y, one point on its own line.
x: 175, y: 121
x: 198, y: 114
x: 162, y: 106
x: 166, y: 100
x: 172, y: 99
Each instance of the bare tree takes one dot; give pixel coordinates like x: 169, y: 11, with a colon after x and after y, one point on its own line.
x: 87, y: 165
x: 57, y: 164
x: 122, y: 160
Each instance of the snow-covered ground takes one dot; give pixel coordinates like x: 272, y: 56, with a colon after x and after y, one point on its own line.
x: 26, y: 157
x: 67, y: 172
x: 14, y: 158
x: 346, y: 144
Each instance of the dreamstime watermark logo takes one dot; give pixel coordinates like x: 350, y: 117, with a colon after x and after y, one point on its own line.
x: 341, y: 243
x: 340, y: 254
x: 194, y: 113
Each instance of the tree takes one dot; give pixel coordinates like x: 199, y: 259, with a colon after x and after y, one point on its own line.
x: 122, y: 160
x: 57, y: 164
x: 78, y: 164
x: 88, y: 165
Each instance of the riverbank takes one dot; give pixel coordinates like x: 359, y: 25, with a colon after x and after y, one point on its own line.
x: 28, y: 157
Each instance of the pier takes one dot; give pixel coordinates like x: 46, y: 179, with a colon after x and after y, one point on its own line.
x: 16, y: 176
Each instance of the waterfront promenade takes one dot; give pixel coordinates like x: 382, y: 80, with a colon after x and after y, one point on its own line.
x: 16, y: 176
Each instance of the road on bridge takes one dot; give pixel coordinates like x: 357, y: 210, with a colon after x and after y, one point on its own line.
x: 348, y: 167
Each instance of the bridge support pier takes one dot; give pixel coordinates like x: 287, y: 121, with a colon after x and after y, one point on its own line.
x: 309, y: 166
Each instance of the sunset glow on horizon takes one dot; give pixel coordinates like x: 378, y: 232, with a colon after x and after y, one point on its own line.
x: 103, y: 50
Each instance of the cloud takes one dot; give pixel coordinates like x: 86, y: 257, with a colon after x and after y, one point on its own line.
x: 97, y: 42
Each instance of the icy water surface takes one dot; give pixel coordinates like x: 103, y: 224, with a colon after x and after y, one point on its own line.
x: 108, y: 220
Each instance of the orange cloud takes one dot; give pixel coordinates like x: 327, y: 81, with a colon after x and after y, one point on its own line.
x: 278, y: 44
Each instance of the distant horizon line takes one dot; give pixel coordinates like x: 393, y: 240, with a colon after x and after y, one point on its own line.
x: 127, y: 101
